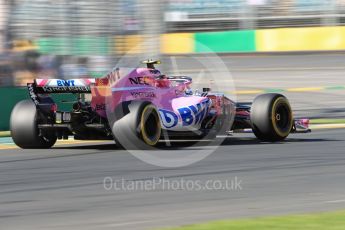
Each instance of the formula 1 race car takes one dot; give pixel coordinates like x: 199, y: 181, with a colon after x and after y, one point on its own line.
x: 138, y: 107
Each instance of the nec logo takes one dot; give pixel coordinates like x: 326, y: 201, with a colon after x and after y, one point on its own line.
x: 138, y: 81
x: 65, y: 82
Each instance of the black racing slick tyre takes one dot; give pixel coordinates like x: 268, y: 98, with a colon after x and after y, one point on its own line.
x: 271, y: 117
x: 137, y: 125
x: 24, y: 130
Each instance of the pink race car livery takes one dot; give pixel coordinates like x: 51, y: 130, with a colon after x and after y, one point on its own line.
x: 139, y: 107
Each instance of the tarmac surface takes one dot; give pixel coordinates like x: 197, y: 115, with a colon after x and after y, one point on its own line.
x: 63, y: 188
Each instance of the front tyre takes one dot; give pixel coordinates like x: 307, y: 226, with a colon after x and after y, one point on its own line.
x: 271, y: 117
x: 24, y: 130
x: 137, y: 125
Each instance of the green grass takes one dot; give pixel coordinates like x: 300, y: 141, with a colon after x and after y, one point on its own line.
x: 322, y: 221
x: 327, y: 121
x: 5, y: 134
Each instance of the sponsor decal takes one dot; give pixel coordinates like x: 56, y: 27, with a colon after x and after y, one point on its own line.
x: 169, y: 119
x: 81, y: 89
x: 138, y: 80
x: 32, y: 93
x: 113, y: 76
x: 143, y: 94
x: 61, y: 83
x: 191, y: 115
x: 194, y: 114
x: 64, y: 86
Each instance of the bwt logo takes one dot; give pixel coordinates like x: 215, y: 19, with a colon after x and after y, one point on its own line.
x: 65, y: 82
x: 194, y: 114
x: 191, y: 115
x: 169, y: 119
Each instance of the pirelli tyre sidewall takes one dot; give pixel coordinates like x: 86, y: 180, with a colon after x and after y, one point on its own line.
x: 271, y: 117
x: 137, y: 125
x: 24, y: 130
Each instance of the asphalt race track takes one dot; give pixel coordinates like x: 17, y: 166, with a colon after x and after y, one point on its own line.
x: 63, y: 188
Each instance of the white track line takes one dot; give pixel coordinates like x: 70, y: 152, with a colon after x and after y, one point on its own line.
x: 335, y: 201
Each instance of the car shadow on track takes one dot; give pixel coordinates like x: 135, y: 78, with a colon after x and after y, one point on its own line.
x: 179, y: 145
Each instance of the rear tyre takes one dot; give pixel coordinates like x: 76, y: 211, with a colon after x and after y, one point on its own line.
x: 137, y: 125
x: 271, y: 117
x: 24, y: 130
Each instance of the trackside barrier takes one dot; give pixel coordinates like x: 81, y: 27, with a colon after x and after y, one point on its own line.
x: 243, y: 41
x: 10, y: 96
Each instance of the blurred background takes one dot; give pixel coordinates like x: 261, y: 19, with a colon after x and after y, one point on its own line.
x: 86, y: 38
x: 81, y: 38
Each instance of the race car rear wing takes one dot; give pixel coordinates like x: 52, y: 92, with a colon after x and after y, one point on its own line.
x: 58, y: 86
x: 47, y: 86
